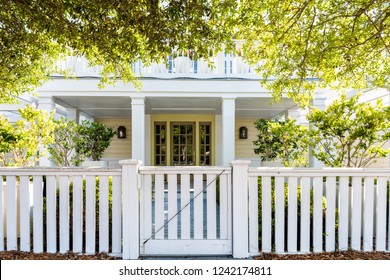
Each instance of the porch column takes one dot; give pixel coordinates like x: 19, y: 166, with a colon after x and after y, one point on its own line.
x: 47, y: 104
x: 138, y: 128
x: 73, y: 115
x: 148, y: 138
x: 218, y: 140
x: 299, y: 115
x: 318, y: 102
x: 228, y: 126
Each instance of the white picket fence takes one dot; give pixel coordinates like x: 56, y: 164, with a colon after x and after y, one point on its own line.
x: 41, y: 213
x: 117, y: 210
x: 327, y: 210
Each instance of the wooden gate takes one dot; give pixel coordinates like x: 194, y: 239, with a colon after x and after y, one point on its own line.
x: 185, y: 211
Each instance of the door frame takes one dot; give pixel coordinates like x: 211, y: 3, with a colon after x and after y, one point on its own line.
x: 185, y: 118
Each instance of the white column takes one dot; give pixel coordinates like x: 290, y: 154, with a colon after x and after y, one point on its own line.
x: 138, y: 128
x: 148, y: 138
x: 47, y: 104
x: 318, y: 102
x: 228, y: 126
x: 299, y: 115
x: 218, y: 140
x: 73, y: 115
x: 240, y: 209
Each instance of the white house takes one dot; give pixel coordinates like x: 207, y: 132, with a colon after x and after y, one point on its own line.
x: 185, y: 114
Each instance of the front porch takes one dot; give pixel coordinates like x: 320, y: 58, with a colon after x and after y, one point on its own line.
x: 180, y: 122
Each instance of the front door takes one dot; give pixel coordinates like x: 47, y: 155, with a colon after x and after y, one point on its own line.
x: 183, y: 144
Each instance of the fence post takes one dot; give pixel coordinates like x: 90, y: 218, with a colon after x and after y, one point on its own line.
x: 240, y: 209
x: 130, y: 204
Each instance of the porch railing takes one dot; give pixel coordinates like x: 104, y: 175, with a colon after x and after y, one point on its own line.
x: 179, y: 65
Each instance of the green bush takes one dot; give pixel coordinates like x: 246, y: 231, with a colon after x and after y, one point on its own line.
x: 94, y: 139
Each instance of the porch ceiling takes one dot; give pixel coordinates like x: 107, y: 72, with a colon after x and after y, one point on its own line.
x: 120, y: 106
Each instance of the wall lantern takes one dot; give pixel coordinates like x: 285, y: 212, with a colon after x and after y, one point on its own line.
x: 121, y: 132
x: 243, y: 132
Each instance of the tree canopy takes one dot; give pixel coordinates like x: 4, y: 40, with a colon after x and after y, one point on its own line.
x: 109, y: 33
x: 303, y: 44
x: 298, y: 45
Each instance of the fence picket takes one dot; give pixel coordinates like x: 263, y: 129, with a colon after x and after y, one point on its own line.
x: 1, y: 214
x: 292, y: 214
x: 64, y: 214
x: 266, y: 214
x: 198, y: 206
x: 343, y: 213
x: 25, y: 231
x: 185, y: 199
x: 116, y: 215
x: 51, y: 214
x: 368, y: 214
x: 103, y: 214
x: 253, y: 215
x: 172, y: 206
x: 38, y: 214
x: 224, y: 206
x: 11, y: 213
x: 159, y: 209
x: 77, y: 214
x: 380, y: 230
x: 147, y: 206
x: 330, y: 216
x: 90, y: 211
x: 211, y: 207
x: 305, y: 215
x: 356, y: 212
x: 279, y: 214
x: 317, y: 214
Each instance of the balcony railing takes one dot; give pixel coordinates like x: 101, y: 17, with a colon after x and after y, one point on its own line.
x: 224, y: 65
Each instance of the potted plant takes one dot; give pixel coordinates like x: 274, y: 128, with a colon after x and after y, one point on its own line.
x: 94, y: 139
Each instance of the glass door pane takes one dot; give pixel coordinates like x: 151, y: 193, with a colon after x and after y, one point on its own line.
x: 160, y: 144
x: 205, y: 143
x: 183, y: 144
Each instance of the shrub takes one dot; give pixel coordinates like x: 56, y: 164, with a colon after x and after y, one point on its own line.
x: 63, y: 150
x: 94, y: 139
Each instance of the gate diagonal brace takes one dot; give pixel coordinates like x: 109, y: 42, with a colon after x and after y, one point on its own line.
x: 166, y: 223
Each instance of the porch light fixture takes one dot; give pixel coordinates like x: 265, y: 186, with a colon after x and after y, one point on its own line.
x: 122, y: 132
x: 243, y: 132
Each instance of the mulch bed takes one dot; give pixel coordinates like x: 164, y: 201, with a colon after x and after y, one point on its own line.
x: 347, y: 255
